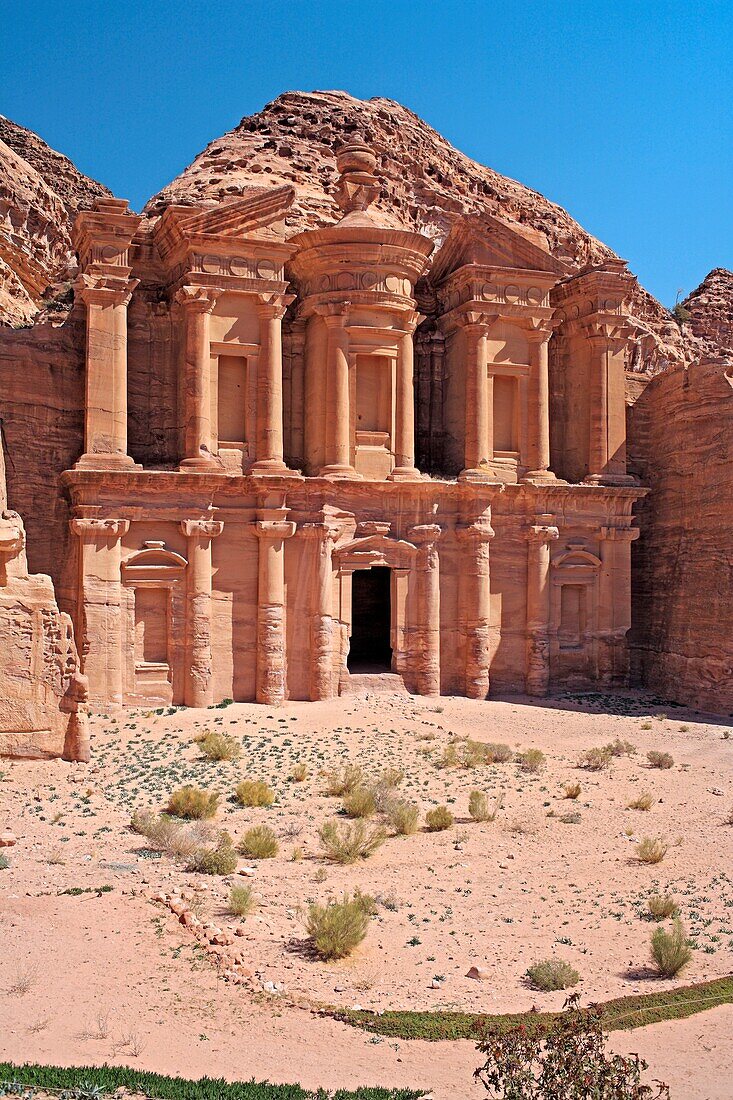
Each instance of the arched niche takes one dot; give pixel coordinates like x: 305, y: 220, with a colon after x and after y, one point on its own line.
x: 575, y: 606
x: 153, y: 628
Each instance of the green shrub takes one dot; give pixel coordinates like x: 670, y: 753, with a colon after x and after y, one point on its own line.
x: 348, y: 842
x: 360, y: 802
x: 651, y: 849
x: 217, y: 746
x: 259, y: 842
x: 337, y: 927
x: 241, y: 901
x: 532, y: 761
x: 403, y: 817
x: 670, y: 950
x: 662, y: 906
x: 660, y: 760
x: 480, y: 808
x: 221, y: 860
x: 439, y: 819
x: 343, y: 780
x: 192, y: 803
x: 254, y: 792
x: 552, y: 974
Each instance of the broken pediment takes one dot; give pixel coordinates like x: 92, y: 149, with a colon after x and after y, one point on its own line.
x: 487, y: 241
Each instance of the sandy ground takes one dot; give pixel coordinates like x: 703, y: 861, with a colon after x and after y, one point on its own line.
x: 114, y: 977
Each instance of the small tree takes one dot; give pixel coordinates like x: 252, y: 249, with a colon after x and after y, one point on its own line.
x: 561, y: 1060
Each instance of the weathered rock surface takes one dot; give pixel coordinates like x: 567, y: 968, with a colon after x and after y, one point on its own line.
x: 711, y: 309
x: 41, y: 193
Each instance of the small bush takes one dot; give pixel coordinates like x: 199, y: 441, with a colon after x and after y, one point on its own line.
x: 439, y: 819
x: 572, y: 790
x: 571, y: 818
x: 221, y: 860
x: 217, y: 746
x: 532, y: 761
x: 620, y: 748
x: 728, y: 819
x: 595, y: 760
x: 254, y: 792
x: 449, y: 759
x: 670, y: 950
x: 4, y: 862
x: 360, y: 802
x: 259, y: 842
x: 349, y: 842
x: 338, y: 927
x: 403, y: 817
x: 480, y: 808
x: 651, y: 849
x: 662, y: 907
x: 391, y: 778
x: 341, y: 781
x: 660, y: 760
x: 497, y: 753
x: 644, y: 801
x: 192, y: 803
x: 552, y: 974
x: 178, y: 838
x: 241, y: 901
x: 299, y: 773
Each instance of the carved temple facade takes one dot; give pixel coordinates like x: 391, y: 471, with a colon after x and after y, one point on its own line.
x: 353, y: 453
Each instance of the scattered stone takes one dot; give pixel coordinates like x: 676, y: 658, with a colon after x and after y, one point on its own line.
x: 479, y: 973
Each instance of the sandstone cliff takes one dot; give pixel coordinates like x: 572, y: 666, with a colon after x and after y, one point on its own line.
x: 711, y: 312
x: 40, y: 194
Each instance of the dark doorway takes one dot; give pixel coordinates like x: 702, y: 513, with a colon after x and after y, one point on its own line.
x: 371, y: 618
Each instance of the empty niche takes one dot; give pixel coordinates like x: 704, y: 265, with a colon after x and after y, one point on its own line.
x: 232, y: 399
x: 505, y: 414
x: 572, y: 615
x: 373, y: 394
x: 151, y: 626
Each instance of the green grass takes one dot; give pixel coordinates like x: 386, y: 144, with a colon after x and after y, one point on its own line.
x: 621, y: 1014
x: 109, y: 1078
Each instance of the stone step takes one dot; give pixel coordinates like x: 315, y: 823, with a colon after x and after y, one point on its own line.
x: 382, y: 683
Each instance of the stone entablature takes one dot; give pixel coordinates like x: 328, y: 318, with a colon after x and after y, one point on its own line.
x: 234, y: 574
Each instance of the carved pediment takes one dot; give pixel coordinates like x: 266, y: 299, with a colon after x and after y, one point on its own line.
x: 486, y: 241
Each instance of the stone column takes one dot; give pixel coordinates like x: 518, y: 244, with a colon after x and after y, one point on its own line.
x: 338, y: 412
x: 475, y: 605
x: 404, y: 442
x: 426, y: 631
x: 322, y: 537
x: 598, y: 440
x: 105, y: 400
x: 540, y: 535
x: 196, y: 304
x: 614, y: 602
x: 99, y: 617
x: 297, y: 392
x: 479, y: 447
x: 198, y: 686
x: 538, y: 456
x: 272, y: 529
x: 269, y: 458
x: 435, y: 421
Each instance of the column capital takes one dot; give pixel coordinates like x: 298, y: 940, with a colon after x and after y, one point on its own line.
x: 197, y: 299
x: 619, y: 534
x: 542, y: 533
x: 104, y: 290
x: 99, y: 528
x: 321, y: 531
x: 335, y: 314
x: 539, y: 331
x: 201, y: 528
x: 274, y: 529
x: 273, y: 306
x: 423, y: 534
x: 480, y: 531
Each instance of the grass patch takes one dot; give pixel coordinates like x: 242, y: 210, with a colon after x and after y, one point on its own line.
x: 217, y: 746
x: 552, y: 974
x: 671, y: 951
x: 254, y: 792
x: 192, y: 803
x: 348, y: 843
x: 439, y: 819
x: 259, y: 842
x: 403, y: 817
x: 338, y: 927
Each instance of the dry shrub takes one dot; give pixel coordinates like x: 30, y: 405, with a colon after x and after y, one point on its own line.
x: 241, y: 901
x: 391, y: 778
x: 403, y: 817
x: 644, y: 801
x: 662, y: 760
x: 299, y: 773
x: 338, y: 927
x: 620, y: 748
x: 552, y: 974
x: 254, y: 792
x: 360, y: 802
x: 349, y: 842
x: 439, y: 819
x: 670, y: 950
x: 178, y: 838
x: 728, y: 819
x: 480, y: 808
x: 651, y: 849
x: 259, y: 842
x: 341, y: 781
x: 532, y: 761
x: 449, y: 759
x: 571, y: 818
x: 192, y: 803
x: 662, y: 907
x: 221, y: 860
x: 572, y: 790
x: 217, y: 746
x: 595, y: 760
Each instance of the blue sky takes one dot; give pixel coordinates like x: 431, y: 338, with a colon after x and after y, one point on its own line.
x: 621, y: 112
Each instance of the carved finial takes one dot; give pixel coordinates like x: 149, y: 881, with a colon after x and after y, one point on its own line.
x: 358, y: 186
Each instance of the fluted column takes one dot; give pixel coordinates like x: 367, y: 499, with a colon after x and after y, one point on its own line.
x: 338, y: 412
x: 614, y: 601
x: 426, y: 631
x: 475, y: 604
x: 538, y: 441
x: 199, y: 533
x: 105, y: 399
x: 269, y: 457
x: 479, y: 413
x: 196, y: 304
x: 272, y: 529
x: 99, y: 609
x: 322, y: 537
x: 539, y: 536
x: 404, y: 443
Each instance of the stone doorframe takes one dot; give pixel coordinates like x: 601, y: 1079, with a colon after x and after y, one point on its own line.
x: 576, y: 566
x: 154, y: 567
x: 415, y: 598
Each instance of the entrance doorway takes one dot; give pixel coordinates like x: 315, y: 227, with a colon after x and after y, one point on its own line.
x: 371, y: 620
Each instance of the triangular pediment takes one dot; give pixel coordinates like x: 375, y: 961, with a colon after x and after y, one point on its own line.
x: 487, y: 241
x: 254, y: 213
